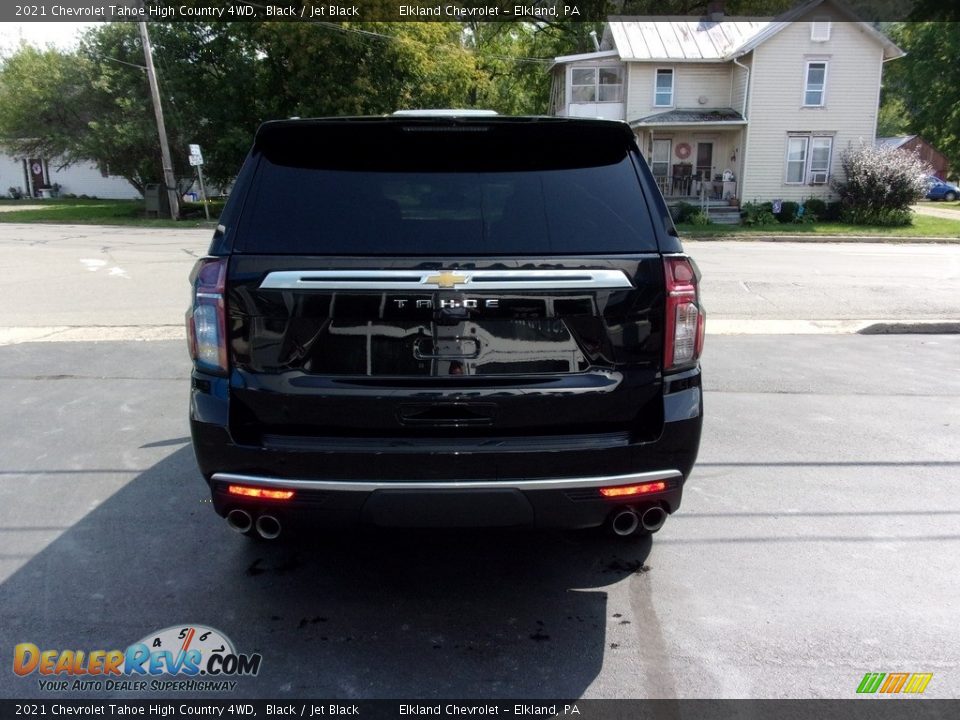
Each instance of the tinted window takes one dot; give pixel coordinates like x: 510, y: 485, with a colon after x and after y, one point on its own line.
x: 453, y: 195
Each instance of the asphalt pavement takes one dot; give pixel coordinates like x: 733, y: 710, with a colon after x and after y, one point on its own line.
x: 818, y: 538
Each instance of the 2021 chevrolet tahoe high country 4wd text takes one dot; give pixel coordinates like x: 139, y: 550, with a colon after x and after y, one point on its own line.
x: 436, y: 321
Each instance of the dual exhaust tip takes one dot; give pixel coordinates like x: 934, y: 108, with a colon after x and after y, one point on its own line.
x: 266, y: 526
x: 624, y: 522
x: 627, y: 520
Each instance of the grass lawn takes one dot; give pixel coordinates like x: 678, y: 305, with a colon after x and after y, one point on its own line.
x: 130, y: 212
x: 923, y: 226
x: 99, y: 212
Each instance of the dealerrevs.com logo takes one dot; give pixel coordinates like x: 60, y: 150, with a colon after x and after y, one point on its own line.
x: 181, y: 657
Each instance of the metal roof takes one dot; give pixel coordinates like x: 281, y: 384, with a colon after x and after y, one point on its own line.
x: 692, y: 117
x: 895, y: 142
x: 680, y: 39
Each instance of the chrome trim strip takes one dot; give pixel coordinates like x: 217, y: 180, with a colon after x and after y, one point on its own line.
x: 370, y: 485
x: 418, y: 280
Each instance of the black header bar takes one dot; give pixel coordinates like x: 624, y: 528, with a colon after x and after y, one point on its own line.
x: 859, y: 709
x: 443, y: 10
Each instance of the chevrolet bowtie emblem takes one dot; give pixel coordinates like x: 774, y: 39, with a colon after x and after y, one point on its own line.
x: 446, y: 279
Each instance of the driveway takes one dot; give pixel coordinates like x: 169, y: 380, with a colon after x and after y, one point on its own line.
x: 818, y: 538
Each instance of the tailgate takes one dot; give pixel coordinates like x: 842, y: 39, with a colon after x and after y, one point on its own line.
x: 335, y: 347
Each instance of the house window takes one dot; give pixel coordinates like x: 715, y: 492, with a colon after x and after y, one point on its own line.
x: 820, y: 30
x: 815, y: 88
x: 808, y: 159
x: 796, y: 159
x: 820, y: 151
x: 660, y: 160
x: 663, y: 92
x: 596, y: 84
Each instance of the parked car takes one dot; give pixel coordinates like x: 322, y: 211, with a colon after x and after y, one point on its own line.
x: 445, y: 320
x: 938, y: 189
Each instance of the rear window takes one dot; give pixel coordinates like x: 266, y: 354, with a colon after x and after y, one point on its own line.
x: 446, y: 191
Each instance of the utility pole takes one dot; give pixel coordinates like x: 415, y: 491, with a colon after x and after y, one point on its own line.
x: 168, y: 178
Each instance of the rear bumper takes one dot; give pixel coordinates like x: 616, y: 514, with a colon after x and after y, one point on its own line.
x: 556, y: 485
x: 552, y: 502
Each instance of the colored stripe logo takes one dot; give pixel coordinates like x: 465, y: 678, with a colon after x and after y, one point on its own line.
x: 890, y: 683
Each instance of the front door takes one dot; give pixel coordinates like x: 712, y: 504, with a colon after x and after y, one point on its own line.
x: 705, y: 160
x: 36, y: 174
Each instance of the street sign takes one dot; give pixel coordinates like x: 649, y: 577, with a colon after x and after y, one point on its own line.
x: 196, y: 160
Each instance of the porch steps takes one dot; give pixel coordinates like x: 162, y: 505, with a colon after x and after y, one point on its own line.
x: 719, y: 211
x: 724, y: 215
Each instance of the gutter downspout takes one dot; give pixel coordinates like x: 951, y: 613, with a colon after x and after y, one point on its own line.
x: 743, y: 130
x: 746, y: 89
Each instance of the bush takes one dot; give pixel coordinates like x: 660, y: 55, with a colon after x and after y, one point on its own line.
x: 682, y: 212
x: 699, y: 218
x: 803, y: 216
x: 880, y: 184
x: 757, y: 214
x: 833, y: 212
x: 192, y: 210
x: 788, y: 211
x: 817, y: 207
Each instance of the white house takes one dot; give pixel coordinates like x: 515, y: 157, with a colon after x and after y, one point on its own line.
x: 766, y: 104
x: 30, y: 174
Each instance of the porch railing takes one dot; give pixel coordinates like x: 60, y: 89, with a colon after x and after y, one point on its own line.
x: 678, y: 185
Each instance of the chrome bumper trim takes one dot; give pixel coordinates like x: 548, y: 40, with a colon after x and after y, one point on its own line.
x: 420, y: 280
x: 370, y: 485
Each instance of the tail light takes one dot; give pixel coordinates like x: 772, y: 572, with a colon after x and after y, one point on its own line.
x: 206, y: 318
x: 628, y: 490
x: 261, y: 493
x: 685, y: 317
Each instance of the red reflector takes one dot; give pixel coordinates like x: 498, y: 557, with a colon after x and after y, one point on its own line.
x: 260, y: 492
x: 641, y: 489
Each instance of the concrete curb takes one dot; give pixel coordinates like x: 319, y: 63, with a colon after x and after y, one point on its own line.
x: 912, y: 328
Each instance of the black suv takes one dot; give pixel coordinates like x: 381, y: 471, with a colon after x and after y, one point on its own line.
x: 445, y: 320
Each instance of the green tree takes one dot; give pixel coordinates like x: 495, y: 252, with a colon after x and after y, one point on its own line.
x: 43, y: 102
x: 219, y: 81
x: 924, y: 86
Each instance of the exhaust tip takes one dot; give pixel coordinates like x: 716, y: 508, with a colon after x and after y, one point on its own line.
x: 239, y: 520
x: 653, y: 518
x: 268, y: 527
x: 624, y: 522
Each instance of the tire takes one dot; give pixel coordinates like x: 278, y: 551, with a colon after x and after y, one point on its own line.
x: 950, y: 196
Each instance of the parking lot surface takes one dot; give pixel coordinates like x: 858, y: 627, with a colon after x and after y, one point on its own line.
x: 818, y: 537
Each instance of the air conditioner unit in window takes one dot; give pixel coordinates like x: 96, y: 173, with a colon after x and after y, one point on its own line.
x: 818, y: 178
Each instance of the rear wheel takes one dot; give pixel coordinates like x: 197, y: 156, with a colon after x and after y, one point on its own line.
x: 950, y: 196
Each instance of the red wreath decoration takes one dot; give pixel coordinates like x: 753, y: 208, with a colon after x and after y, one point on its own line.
x: 683, y: 151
